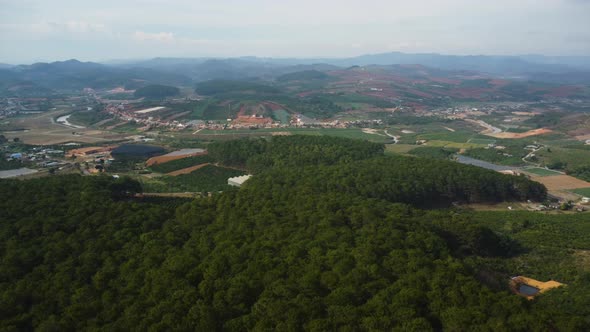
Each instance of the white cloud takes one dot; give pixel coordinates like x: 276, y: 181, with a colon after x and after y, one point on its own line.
x: 158, y: 37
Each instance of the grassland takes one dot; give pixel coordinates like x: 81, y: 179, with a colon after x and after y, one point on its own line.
x: 282, y: 116
x: 570, y: 158
x: 399, y: 148
x: 541, y: 171
x: 484, y: 141
x: 582, y: 191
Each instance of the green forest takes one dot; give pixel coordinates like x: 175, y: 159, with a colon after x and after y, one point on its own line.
x: 156, y: 91
x: 328, y: 234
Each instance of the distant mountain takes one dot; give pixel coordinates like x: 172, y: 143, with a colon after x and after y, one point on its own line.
x: 75, y: 75
x: 518, y: 67
x: 156, y: 91
x: 5, y: 66
x: 204, y: 69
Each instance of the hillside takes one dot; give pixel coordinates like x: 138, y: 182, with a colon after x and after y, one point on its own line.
x: 156, y: 91
x: 75, y: 75
x: 285, y: 252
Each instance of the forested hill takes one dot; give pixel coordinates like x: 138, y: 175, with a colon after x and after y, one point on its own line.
x: 329, y: 164
x: 156, y: 91
x: 83, y: 253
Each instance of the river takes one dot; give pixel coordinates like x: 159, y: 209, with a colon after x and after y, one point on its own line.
x: 64, y: 121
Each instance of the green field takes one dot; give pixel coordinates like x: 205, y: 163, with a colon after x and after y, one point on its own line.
x: 337, y: 132
x: 541, y: 171
x: 582, y: 191
x: 399, y: 148
x: 565, y: 158
x: 483, y: 141
x: 282, y: 115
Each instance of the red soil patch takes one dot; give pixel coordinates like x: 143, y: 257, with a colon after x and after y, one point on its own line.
x: 187, y: 170
x: 534, y: 132
x: 165, y: 159
x: 273, y: 106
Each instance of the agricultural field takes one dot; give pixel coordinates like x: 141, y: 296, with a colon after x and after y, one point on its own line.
x: 282, y: 116
x: 178, y: 164
x: 561, y: 182
x: 563, y: 158
x: 541, y: 171
x: 582, y: 191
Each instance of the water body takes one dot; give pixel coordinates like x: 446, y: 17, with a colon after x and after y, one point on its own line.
x: 16, y: 172
x: 528, y: 290
x: 484, y: 164
x: 137, y: 150
x: 64, y: 121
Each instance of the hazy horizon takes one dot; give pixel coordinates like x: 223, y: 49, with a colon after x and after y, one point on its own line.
x: 33, y: 30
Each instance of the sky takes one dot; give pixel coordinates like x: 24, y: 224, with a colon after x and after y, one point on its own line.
x: 43, y: 30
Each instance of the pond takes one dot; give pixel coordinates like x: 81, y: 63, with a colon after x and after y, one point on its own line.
x: 527, y: 290
x: 137, y: 151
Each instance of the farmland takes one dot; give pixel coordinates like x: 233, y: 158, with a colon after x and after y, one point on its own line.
x: 174, y: 165
x: 541, y: 171
x: 561, y: 182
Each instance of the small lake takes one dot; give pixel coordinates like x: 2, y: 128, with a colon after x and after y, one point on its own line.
x: 527, y: 290
x: 137, y: 150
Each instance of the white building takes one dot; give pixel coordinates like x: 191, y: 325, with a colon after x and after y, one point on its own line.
x: 238, y: 180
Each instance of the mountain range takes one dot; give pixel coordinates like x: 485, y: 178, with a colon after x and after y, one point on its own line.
x: 71, y: 75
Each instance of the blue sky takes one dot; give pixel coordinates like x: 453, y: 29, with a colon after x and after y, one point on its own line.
x: 33, y: 30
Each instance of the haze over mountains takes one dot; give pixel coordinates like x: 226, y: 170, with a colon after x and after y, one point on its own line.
x: 73, y: 74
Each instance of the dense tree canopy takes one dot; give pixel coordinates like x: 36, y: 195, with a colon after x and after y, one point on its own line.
x: 299, y: 247
x: 157, y: 91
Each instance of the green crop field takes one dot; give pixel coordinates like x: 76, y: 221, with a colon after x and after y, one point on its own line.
x: 582, y: 191
x: 399, y: 148
x: 541, y: 171
x: 567, y: 158
x: 282, y: 115
x: 457, y: 136
x: 483, y: 141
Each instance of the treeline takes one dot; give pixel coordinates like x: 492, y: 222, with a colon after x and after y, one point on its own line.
x: 291, y: 151
x: 218, y: 87
x: 582, y: 172
x: 79, y: 253
x: 6, y: 164
x: 356, y: 170
x: 419, y: 182
x: 157, y: 91
x: 434, y: 152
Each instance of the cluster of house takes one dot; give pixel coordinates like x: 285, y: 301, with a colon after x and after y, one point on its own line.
x: 43, y: 157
